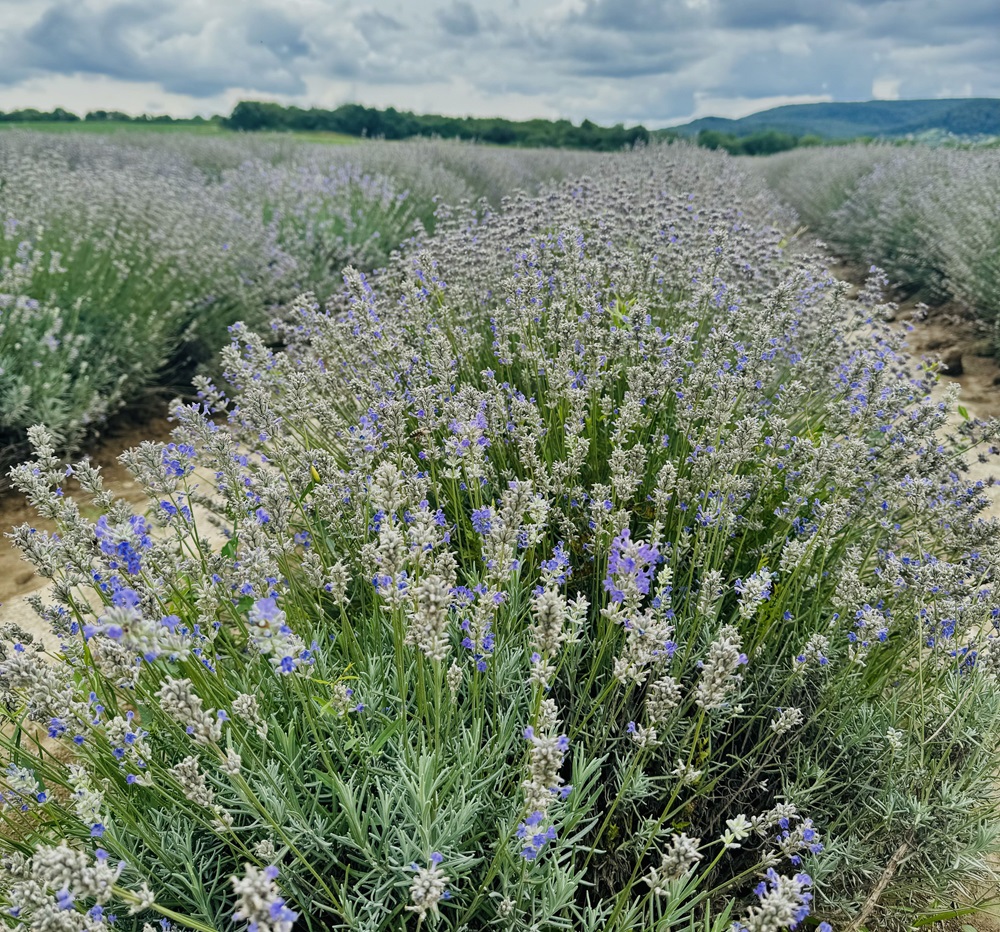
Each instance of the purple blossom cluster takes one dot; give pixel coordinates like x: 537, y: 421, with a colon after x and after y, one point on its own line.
x: 630, y: 566
x: 533, y: 835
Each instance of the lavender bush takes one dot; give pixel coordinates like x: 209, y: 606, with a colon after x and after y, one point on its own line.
x: 595, y: 565
x: 333, y: 206
x: 817, y: 182
x: 110, y: 261
x: 929, y: 217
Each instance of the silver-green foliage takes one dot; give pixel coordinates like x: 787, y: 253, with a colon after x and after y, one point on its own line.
x: 122, y: 264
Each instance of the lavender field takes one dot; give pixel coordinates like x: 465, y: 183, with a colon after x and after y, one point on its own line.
x: 547, y: 541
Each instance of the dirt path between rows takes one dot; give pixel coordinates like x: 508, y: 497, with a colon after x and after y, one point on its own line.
x: 949, y: 331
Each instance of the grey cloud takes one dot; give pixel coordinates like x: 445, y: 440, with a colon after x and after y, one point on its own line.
x: 605, y: 63
x: 777, y: 14
x: 372, y: 24
x: 767, y: 48
x: 926, y: 22
x: 459, y: 19
x: 274, y: 30
x: 65, y: 42
x: 371, y: 50
x: 772, y: 73
x: 639, y: 16
x: 580, y: 48
x: 145, y: 42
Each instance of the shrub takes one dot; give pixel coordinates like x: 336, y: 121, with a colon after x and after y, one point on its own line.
x: 967, y: 224
x: 589, y: 567
x: 927, y: 216
x: 115, y: 265
x: 889, y: 220
x: 333, y: 207
x: 818, y: 182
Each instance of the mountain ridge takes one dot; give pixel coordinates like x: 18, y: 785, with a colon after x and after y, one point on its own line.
x: 963, y: 116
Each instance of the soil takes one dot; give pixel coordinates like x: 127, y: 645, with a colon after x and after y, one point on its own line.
x: 949, y: 331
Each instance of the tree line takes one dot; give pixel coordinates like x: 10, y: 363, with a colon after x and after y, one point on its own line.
x: 761, y: 142
x: 357, y: 120
x: 59, y: 115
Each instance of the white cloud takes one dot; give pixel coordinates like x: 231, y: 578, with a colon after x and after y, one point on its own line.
x: 92, y: 92
x: 886, y: 88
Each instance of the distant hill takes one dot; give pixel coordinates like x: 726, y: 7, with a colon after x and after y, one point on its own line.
x: 973, y: 116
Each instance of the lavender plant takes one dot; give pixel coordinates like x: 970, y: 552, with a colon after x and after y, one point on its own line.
x: 927, y: 216
x: 819, y: 182
x: 111, y: 262
x: 354, y: 206
x: 595, y: 565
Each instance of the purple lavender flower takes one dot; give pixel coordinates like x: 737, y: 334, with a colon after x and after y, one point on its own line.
x: 482, y: 520
x: 631, y: 566
x: 534, y: 836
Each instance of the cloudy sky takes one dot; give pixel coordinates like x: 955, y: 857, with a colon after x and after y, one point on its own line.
x: 651, y: 61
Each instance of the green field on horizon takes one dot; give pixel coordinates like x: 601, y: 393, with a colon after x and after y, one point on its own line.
x: 113, y: 128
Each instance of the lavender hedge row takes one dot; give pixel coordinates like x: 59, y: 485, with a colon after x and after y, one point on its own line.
x: 122, y: 264
x: 596, y: 565
x: 929, y: 217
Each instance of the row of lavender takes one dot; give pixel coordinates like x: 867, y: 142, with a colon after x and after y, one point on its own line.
x: 929, y: 217
x: 597, y: 565
x: 121, y: 265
